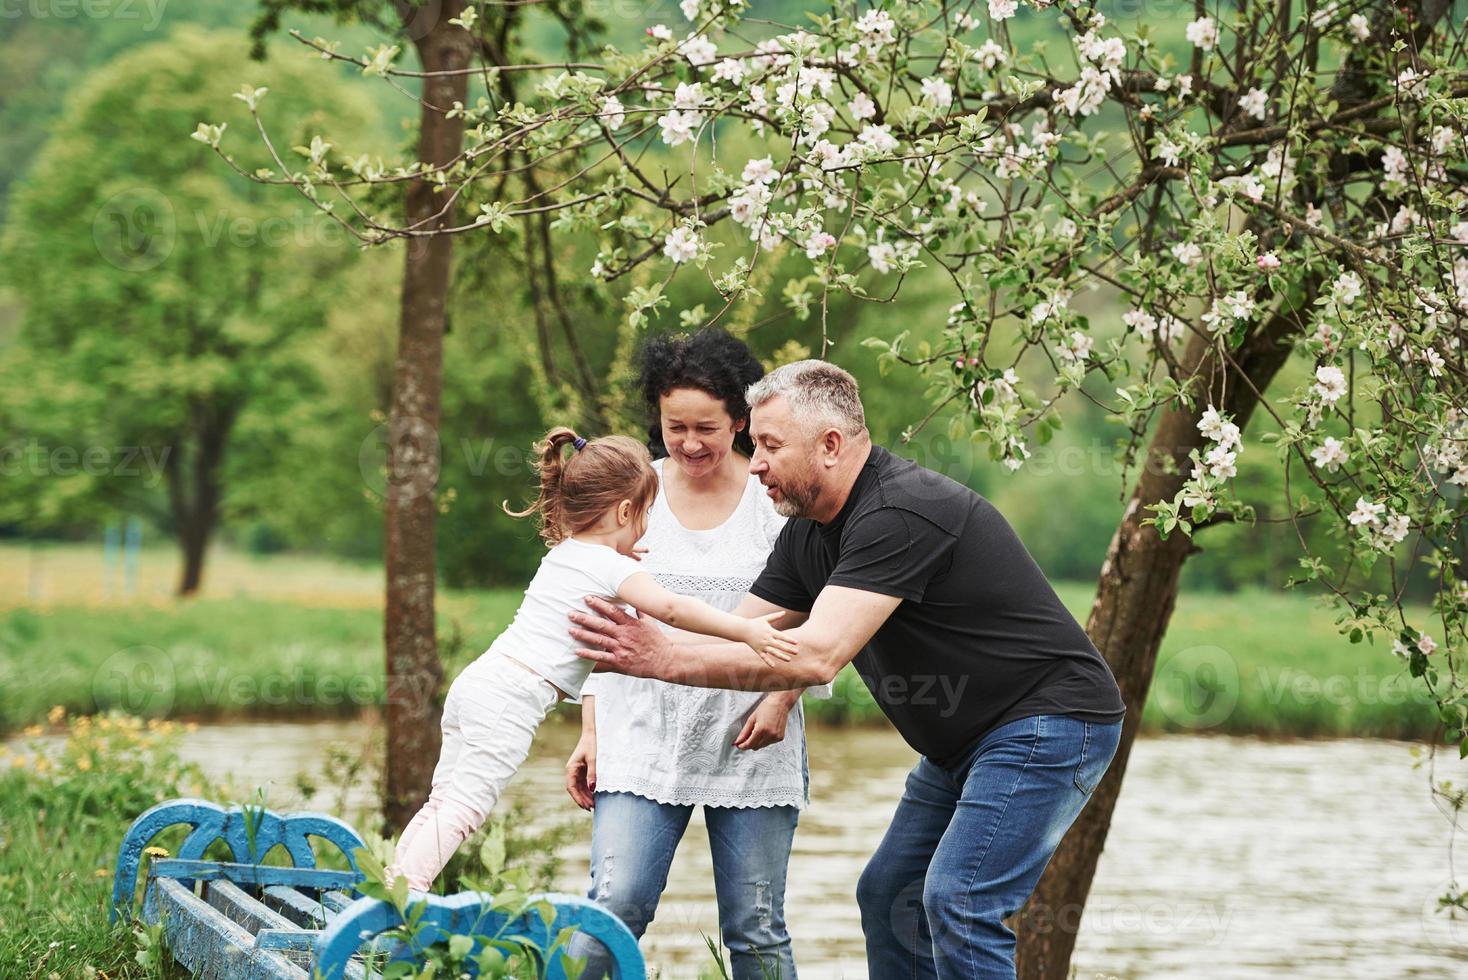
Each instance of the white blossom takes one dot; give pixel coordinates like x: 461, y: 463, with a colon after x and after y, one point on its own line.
x: 1187, y: 253
x: 681, y: 244
x: 1395, y: 530
x: 1003, y: 9
x: 678, y: 127
x: 818, y: 244
x: 1077, y: 348
x: 612, y: 112
x: 699, y: 50
x: 1347, y: 288
x: 1220, y: 463
x: 937, y: 91
x: 990, y: 55
x: 1202, y: 33
x: 1255, y: 103
x: 1330, y: 383
x: 882, y: 255
x: 729, y: 70
x: 1366, y: 512
x: 760, y: 171
x: 688, y: 96
x: 1331, y: 455
x: 877, y: 139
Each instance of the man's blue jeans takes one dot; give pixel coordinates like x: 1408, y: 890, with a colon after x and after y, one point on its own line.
x: 968, y: 843
x: 632, y: 844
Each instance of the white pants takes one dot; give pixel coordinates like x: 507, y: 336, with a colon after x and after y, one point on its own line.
x: 489, y: 720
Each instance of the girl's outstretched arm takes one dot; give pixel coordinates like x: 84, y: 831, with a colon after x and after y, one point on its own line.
x: 685, y: 612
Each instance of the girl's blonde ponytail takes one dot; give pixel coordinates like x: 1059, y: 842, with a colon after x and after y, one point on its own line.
x: 575, y: 491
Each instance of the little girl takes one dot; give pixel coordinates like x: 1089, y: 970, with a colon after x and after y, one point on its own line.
x: 592, y: 509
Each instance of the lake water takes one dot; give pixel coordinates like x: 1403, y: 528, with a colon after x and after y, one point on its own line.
x: 1228, y: 857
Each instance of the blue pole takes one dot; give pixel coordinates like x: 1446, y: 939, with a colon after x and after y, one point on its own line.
x: 110, y: 543
x: 130, y: 555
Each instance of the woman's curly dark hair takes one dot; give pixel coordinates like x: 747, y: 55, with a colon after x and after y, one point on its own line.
x: 709, y: 360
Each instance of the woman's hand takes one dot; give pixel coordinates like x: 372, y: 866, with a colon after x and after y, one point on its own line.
x: 581, y: 771
x: 766, y: 723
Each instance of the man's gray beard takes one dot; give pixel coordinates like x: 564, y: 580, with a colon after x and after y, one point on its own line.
x: 797, y: 505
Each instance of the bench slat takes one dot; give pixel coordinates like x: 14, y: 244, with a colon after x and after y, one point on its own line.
x: 243, y: 909
x: 252, y: 874
x: 208, y: 944
x: 296, y: 905
x: 336, y: 901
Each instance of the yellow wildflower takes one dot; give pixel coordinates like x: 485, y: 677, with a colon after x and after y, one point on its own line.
x: 42, y: 763
x: 32, y: 731
x: 156, y: 851
x: 18, y: 762
x: 56, y: 715
x: 84, y: 763
x: 101, y: 873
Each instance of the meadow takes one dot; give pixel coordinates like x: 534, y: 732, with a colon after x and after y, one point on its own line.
x: 286, y: 636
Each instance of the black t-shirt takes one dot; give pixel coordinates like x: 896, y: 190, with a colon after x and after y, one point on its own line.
x: 980, y: 638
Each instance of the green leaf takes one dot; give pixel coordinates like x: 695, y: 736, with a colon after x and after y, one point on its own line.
x: 492, y: 851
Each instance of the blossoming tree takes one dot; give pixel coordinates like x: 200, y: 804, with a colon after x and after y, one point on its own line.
x: 1271, y: 181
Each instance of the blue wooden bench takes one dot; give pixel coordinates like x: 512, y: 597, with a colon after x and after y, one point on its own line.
x: 241, y: 919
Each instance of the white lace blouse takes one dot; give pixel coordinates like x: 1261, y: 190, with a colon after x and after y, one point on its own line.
x: 675, y: 744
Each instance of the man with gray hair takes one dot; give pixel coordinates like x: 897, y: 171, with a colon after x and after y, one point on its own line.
x: 924, y: 587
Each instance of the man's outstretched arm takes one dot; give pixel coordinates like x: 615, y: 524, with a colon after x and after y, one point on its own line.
x: 840, y: 623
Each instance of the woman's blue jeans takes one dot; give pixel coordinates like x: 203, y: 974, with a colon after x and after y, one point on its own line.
x: 967, y: 846
x: 632, y: 844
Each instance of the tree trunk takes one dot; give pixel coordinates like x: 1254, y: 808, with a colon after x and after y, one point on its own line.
x: 195, y: 507
x: 1139, y: 579
x: 414, y: 673
x: 1135, y: 596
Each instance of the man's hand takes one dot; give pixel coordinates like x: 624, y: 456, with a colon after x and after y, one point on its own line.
x: 766, y: 723
x: 635, y: 647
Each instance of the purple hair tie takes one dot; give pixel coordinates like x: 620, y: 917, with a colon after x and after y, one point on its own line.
x: 578, y: 442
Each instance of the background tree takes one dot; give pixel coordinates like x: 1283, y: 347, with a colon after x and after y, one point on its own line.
x: 1273, y: 193
x: 131, y: 381
x: 454, y: 43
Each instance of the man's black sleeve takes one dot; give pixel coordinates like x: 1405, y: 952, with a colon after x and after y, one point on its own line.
x: 780, y: 582
x: 892, y: 551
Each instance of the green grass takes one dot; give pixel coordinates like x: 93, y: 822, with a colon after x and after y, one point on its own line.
x: 287, y: 637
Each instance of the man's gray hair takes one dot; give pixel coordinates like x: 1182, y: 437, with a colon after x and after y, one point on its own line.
x: 819, y: 393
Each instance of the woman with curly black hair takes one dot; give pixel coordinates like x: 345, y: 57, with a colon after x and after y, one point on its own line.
x: 651, y: 751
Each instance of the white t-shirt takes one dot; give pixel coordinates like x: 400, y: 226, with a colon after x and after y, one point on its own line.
x: 538, y: 636
x: 673, y: 743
